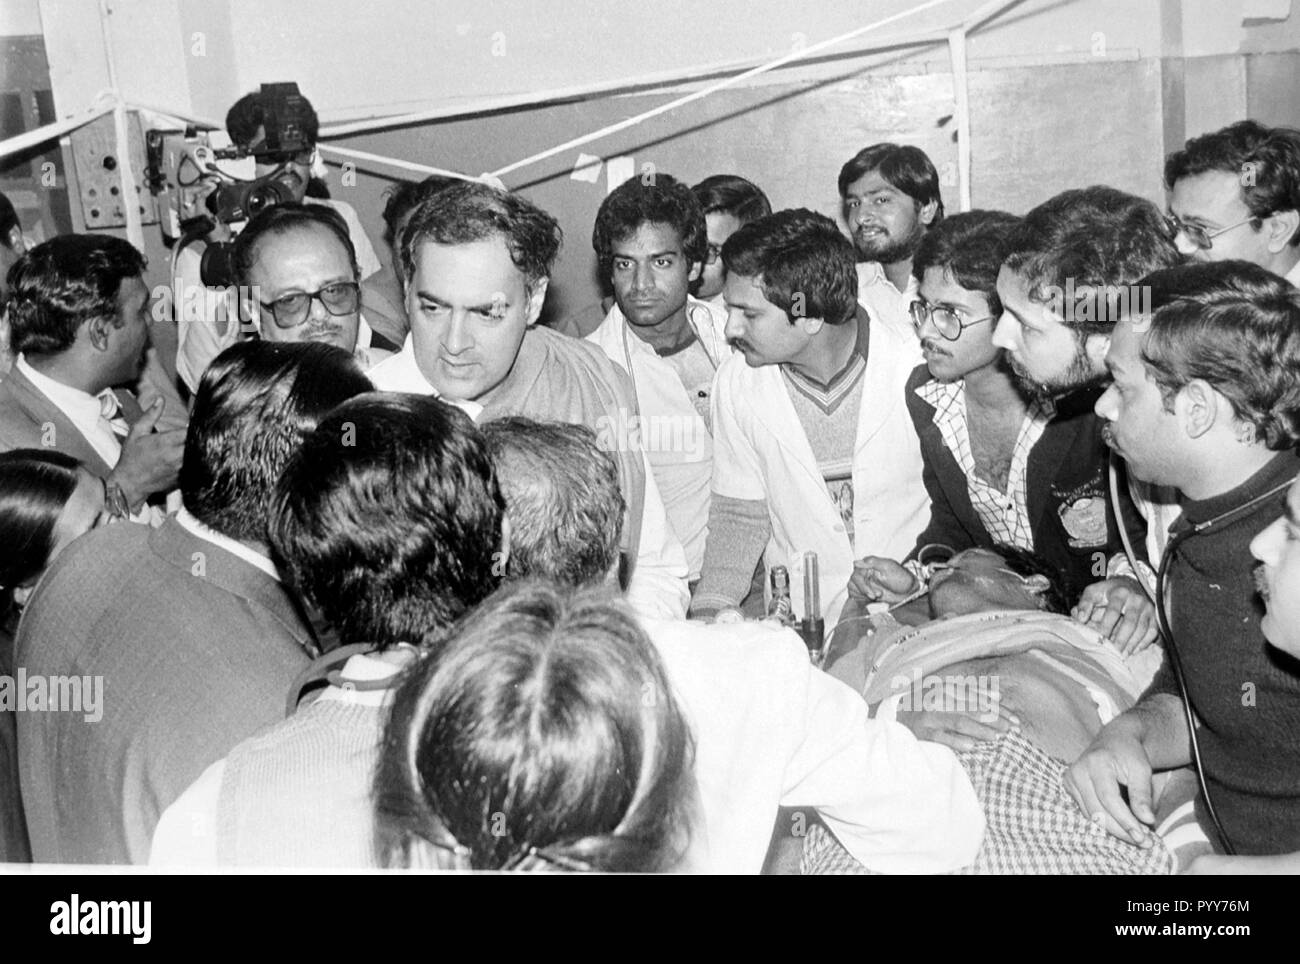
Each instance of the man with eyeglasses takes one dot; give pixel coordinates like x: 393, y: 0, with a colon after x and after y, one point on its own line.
x: 206, y: 320
x: 890, y: 194
x: 1234, y: 194
x: 729, y: 202
x: 298, y: 277
x: 1000, y: 467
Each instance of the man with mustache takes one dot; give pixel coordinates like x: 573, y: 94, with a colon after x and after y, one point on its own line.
x: 300, y: 280
x: 890, y: 194
x: 1000, y: 467
x: 1204, y: 399
x: 813, y: 449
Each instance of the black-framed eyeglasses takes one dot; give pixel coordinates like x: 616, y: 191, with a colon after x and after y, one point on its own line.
x: 291, y: 310
x: 947, y: 322
x: 712, y: 253
x: 1200, y: 237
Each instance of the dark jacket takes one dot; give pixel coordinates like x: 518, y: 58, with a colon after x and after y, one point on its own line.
x: 1067, y: 488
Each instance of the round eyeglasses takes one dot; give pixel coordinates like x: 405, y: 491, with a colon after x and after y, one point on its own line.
x: 947, y: 321
x: 291, y: 310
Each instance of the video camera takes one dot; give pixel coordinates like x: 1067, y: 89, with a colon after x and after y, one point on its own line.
x: 208, y: 180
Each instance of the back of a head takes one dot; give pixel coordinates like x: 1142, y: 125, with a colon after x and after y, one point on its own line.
x: 255, y: 404
x: 906, y: 168
x: 1090, y: 241
x: 282, y: 219
x: 1235, y: 326
x: 470, y: 211
x: 8, y: 219
x: 1059, y: 596
x: 405, y: 196
x: 661, y: 199
x: 35, y: 485
x: 806, y: 264
x: 59, y: 285
x: 1265, y: 161
x: 563, y: 500
x: 731, y: 194
x: 543, y: 735
x: 971, y: 248
x: 388, y: 518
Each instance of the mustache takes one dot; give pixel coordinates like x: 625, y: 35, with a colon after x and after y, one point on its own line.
x: 1108, y: 434
x: 1260, y: 577
x: 932, y: 346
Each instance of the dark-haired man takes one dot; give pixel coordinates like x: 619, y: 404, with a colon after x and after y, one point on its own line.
x: 478, y: 263
x: 650, y: 242
x: 1235, y: 194
x: 1204, y: 399
x: 890, y: 194
x: 388, y: 520
x: 813, y: 447
x: 1000, y: 468
x: 207, y: 318
x: 299, y: 278
x: 729, y: 202
x: 79, y: 327
x: 187, y: 624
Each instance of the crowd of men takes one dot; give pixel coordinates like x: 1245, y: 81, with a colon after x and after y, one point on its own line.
x: 400, y: 576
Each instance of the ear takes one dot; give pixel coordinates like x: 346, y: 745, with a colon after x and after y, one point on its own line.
x: 99, y: 332
x: 249, y: 308
x: 697, y: 268
x: 1281, y: 229
x: 810, y: 326
x: 14, y: 240
x: 503, y: 552
x: 928, y: 211
x: 1198, y: 407
x: 537, y: 298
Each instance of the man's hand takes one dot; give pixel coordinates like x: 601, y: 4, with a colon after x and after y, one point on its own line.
x: 961, y: 731
x: 1119, y: 610
x: 881, y: 580
x: 150, y: 461
x: 1115, y: 759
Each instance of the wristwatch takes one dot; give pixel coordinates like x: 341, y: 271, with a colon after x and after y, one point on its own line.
x: 115, y: 501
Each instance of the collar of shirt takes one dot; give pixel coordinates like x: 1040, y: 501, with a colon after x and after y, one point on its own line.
x: 83, y: 410
x: 706, y: 321
x: 1293, y: 275
x: 401, y: 373
x: 873, y: 273
x: 358, y: 669
x: 250, y: 556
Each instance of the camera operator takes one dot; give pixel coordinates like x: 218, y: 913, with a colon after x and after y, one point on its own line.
x: 207, y: 319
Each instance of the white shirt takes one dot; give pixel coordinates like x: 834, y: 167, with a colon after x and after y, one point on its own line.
x: 770, y: 731
x: 235, y: 548
x: 84, y: 411
x: 887, y: 305
x: 675, y: 437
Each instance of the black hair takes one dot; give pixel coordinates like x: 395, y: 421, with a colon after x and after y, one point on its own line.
x: 8, y: 219
x: 256, y: 403
x: 971, y: 247
x: 542, y: 734
x: 388, y: 518
x: 906, y: 168
x: 471, y: 211
x: 1265, y: 161
x: 563, y: 500
x: 1235, y: 326
x: 405, y: 196
x: 732, y: 194
x: 801, y: 260
x: 654, y: 199
x: 61, y: 284
x: 283, y: 219
x: 1060, y: 596
x: 1098, y: 239
x: 35, y: 485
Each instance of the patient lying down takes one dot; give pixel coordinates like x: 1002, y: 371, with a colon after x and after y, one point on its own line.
x: 1002, y: 674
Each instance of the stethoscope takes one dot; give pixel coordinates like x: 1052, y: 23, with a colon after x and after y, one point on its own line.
x: 1167, y: 635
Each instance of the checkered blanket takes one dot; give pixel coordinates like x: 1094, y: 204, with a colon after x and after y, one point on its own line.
x: 1034, y: 827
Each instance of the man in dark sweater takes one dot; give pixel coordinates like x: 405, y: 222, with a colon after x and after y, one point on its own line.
x: 1204, y: 399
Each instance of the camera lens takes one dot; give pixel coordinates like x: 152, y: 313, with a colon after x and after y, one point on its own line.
x: 261, y: 199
